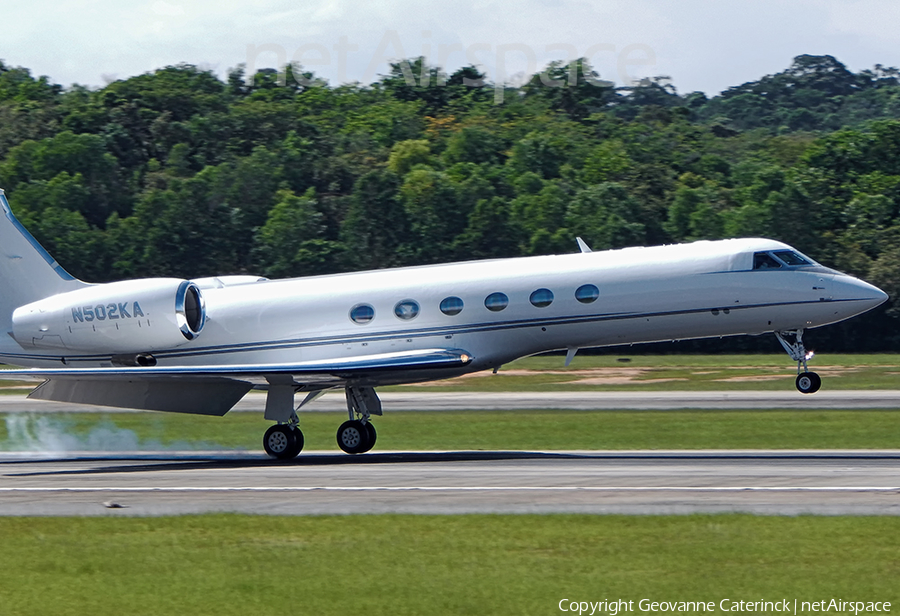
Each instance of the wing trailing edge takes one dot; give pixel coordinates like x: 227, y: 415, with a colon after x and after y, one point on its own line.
x: 359, y: 365
x: 198, y: 397
x: 214, y: 390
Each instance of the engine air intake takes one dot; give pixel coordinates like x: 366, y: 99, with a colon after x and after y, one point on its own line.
x: 124, y: 319
x: 190, y: 309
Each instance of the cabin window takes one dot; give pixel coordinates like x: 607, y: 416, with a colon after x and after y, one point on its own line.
x: 542, y: 298
x: 407, y: 309
x: 791, y: 258
x: 451, y: 306
x: 763, y: 260
x: 587, y: 293
x: 495, y: 302
x: 362, y: 314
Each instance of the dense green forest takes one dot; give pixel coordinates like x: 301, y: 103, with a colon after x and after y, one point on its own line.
x: 180, y: 173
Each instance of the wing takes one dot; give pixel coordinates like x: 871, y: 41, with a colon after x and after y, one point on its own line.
x: 214, y: 390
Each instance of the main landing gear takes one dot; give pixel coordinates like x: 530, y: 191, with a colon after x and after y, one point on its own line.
x: 284, y: 440
x: 358, y: 435
x: 792, y: 341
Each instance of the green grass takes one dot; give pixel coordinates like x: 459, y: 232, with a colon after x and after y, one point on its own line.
x: 674, y: 372
x: 658, y: 373
x: 476, y: 430
x: 398, y: 565
x: 542, y: 429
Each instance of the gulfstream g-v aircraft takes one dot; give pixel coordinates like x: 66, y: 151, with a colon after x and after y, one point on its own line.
x: 197, y: 346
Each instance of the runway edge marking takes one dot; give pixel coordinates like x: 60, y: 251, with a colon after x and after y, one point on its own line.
x: 460, y: 489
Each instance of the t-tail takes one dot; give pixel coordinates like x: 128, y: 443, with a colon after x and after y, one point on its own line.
x: 27, y: 271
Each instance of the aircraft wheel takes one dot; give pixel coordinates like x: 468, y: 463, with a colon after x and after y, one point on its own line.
x: 808, y: 382
x: 283, y: 442
x: 298, y: 441
x: 373, y: 436
x: 353, y: 437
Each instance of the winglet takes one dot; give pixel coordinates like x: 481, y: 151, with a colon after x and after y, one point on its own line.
x: 582, y: 245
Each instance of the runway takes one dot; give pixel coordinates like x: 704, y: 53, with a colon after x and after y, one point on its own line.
x: 638, y: 482
x: 578, y: 400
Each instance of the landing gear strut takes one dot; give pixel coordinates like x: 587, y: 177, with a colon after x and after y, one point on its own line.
x: 357, y: 435
x: 792, y: 341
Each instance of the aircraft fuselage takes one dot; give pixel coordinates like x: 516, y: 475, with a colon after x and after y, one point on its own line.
x: 500, y: 310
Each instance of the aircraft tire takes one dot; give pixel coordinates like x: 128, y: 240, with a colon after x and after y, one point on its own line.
x: 298, y: 442
x: 353, y: 437
x: 808, y: 382
x: 283, y: 442
x: 373, y: 436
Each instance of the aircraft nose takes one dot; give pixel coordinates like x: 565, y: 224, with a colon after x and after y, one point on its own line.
x: 863, y: 295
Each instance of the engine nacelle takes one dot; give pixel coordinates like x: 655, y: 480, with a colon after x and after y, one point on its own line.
x: 132, y: 316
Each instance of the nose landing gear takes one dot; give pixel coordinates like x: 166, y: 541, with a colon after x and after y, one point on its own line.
x: 807, y: 382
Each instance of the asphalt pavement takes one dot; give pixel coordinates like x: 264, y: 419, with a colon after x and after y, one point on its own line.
x: 638, y: 482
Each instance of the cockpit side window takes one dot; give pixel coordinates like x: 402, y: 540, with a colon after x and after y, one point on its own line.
x: 791, y: 258
x: 763, y: 260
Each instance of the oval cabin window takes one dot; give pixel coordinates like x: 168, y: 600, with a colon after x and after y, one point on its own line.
x: 362, y: 314
x: 407, y: 309
x: 542, y: 298
x: 451, y: 306
x: 587, y: 293
x: 495, y: 302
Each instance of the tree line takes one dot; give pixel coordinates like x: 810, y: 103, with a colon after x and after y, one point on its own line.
x: 180, y: 173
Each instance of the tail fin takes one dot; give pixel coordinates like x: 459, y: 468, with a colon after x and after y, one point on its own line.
x: 27, y: 271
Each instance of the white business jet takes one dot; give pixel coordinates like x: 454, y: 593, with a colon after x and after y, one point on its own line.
x: 197, y: 346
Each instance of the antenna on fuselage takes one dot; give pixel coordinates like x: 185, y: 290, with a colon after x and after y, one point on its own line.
x: 582, y: 245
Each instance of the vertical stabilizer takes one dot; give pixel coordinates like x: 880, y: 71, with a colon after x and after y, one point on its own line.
x: 27, y: 271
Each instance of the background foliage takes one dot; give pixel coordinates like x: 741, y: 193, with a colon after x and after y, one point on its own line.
x: 179, y: 173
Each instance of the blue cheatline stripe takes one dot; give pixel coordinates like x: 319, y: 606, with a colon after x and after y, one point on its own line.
x: 7, y: 210
x: 420, y: 333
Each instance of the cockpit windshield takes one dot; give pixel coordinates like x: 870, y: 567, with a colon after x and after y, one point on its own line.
x: 791, y: 258
x: 778, y: 259
x: 763, y: 260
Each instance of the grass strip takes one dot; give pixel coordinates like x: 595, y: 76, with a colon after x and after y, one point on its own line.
x: 470, y: 430
x: 399, y: 565
x: 614, y: 357
x: 656, y: 373
x: 674, y: 373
